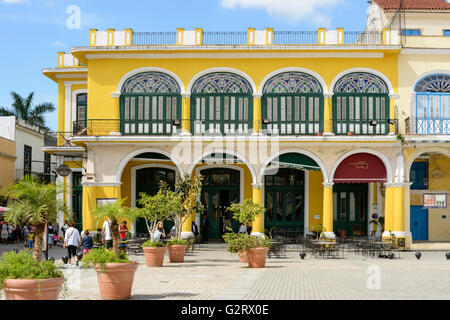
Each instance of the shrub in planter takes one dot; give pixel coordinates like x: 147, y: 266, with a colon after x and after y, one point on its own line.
x: 257, y: 252
x: 115, y: 272
x: 154, y: 253
x: 23, y: 278
x: 237, y: 244
x: 177, y: 249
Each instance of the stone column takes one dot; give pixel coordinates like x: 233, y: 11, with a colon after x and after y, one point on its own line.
x: 186, y: 114
x: 257, y: 115
x: 328, y: 114
x: 328, y: 207
x: 258, y: 224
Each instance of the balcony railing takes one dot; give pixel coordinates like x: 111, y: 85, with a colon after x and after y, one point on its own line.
x: 105, y: 127
x: 154, y: 38
x: 295, y: 37
x: 225, y: 38
x: 361, y: 127
x: 432, y: 126
x: 363, y: 38
x: 54, y: 139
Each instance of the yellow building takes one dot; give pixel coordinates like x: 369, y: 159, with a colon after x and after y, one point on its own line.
x: 7, y: 161
x: 303, y: 122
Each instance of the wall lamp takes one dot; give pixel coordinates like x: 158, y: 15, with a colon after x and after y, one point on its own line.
x: 373, y: 123
x: 265, y: 121
x: 176, y: 123
x: 392, y: 121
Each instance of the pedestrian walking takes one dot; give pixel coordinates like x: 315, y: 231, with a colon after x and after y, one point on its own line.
x: 107, y: 235
x: 87, y: 242
x: 71, y: 242
x: 123, y: 230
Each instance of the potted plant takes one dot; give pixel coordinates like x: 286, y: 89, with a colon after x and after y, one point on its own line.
x: 187, y: 194
x: 255, y: 247
x: 23, y: 278
x: 236, y: 244
x: 350, y: 133
x: 154, y: 253
x: 258, y: 247
x: 35, y: 204
x: 246, y: 213
x: 115, y: 272
x: 153, y: 209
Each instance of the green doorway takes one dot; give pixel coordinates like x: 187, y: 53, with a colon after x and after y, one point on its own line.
x: 221, y: 188
x: 284, y: 199
x: 350, y: 209
x: 77, y: 200
x: 148, y: 181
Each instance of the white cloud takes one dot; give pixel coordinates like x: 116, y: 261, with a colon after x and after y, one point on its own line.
x: 59, y: 44
x: 291, y: 10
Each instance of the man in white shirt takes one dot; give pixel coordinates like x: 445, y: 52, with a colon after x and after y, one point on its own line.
x: 106, y: 235
x: 72, y: 241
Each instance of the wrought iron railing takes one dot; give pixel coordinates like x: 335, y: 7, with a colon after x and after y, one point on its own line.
x: 432, y: 126
x: 55, y: 139
x: 363, y: 38
x: 154, y: 38
x: 225, y: 38
x: 41, y: 176
x: 293, y: 128
x: 361, y: 127
x: 106, y: 127
x: 295, y: 37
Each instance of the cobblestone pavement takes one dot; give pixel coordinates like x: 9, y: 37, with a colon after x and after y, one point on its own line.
x: 213, y: 273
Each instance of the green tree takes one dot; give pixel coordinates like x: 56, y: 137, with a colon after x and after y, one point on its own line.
x: 35, y: 203
x: 114, y: 212
x: 246, y: 212
x: 161, y: 206
x: 22, y: 108
x: 188, y: 190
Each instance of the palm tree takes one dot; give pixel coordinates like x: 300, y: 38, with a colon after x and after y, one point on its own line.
x: 114, y: 212
x: 23, y: 109
x: 36, y: 204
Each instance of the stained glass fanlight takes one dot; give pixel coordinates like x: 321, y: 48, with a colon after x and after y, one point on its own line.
x: 222, y: 82
x: 151, y: 82
x: 293, y: 82
x: 434, y: 83
x: 361, y: 82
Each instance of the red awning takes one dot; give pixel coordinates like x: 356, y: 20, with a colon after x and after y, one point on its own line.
x: 360, y: 168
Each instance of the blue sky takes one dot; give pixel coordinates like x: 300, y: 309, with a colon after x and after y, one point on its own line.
x: 33, y: 31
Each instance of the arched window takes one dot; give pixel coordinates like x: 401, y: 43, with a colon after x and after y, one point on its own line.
x: 149, y: 104
x: 293, y: 104
x: 222, y: 103
x: 361, y: 104
x: 433, y: 104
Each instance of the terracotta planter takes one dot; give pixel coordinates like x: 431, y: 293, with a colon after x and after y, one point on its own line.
x: 24, y: 289
x: 154, y: 256
x: 176, y: 252
x: 243, y: 256
x: 319, y: 134
x: 116, y: 280
x: 350, y: 133
x: 257, y: 257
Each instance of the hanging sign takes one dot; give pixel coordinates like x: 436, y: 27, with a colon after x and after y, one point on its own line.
x: 435, y: 200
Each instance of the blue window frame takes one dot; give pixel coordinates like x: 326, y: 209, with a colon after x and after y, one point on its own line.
x: 419, y: 175
x: 447, y: 33
x: 411, y: 32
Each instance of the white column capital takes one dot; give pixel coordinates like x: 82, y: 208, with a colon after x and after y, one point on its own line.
x: 394, y: 96
x: 186, y: 95
x: 328, y: 184
x: 115, y: 94
x: 257, y: 95
x: 257, y: 185
x: 328, y: 94
x: 397, y: 184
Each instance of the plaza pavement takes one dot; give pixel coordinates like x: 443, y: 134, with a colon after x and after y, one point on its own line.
x: 211, y: 273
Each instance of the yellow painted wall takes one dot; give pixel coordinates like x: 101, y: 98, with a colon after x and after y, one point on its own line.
x: 438, y: 227
x: 7, y: 161
x: 104, y: 75
x: 315, y: 198
x: 90, y: 196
